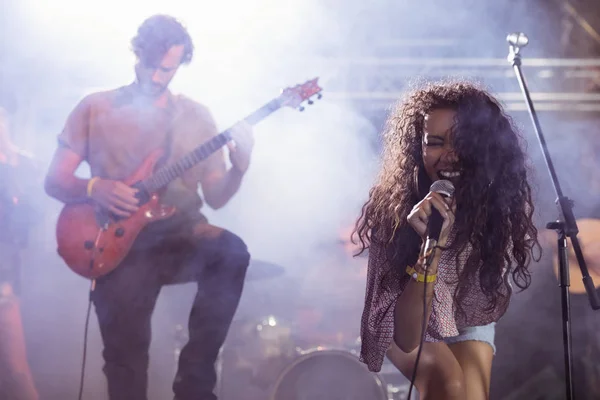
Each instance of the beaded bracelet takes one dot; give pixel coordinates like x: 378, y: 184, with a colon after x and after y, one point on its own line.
x: 420, y: 277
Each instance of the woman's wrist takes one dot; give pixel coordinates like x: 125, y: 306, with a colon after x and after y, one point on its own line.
x: 421, y: 276
x: 419, y: 267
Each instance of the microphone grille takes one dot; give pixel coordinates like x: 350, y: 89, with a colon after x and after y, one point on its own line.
x: 443, y: 186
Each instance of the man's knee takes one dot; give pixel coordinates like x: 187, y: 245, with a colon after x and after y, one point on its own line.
x: 234, y: 247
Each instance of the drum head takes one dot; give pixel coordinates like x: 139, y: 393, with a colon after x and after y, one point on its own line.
x: 328, y: 375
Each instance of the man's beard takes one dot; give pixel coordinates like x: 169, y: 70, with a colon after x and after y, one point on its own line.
x: 152, y: 89
x: 148, y: 88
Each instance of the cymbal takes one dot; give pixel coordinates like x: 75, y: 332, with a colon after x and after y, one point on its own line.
x: 259, y: 270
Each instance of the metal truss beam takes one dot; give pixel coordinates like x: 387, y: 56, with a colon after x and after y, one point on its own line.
x: 556, y: 84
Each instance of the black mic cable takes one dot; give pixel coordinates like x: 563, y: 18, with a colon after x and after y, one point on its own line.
x: 434, y: 228
x: 85, y: 338
x: 427, y: 257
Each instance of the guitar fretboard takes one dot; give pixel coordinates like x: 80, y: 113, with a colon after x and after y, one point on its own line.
x: 163, y: 176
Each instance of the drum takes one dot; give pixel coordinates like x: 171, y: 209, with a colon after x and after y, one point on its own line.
x: 254, y: 354
x: 323, y: 374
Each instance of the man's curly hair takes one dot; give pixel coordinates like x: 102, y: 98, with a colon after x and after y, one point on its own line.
x: 157, y: 35
x: 494, y: 214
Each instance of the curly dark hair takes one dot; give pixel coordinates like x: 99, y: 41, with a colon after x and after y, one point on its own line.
x: 157, y: 35
x: 494, y: 215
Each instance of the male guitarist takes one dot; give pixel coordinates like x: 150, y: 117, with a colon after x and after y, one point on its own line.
x: 114, y: 131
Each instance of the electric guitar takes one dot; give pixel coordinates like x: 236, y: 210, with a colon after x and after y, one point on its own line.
x: 93, y: 242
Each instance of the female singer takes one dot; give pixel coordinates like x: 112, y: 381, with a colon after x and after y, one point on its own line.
x: 457, y: 132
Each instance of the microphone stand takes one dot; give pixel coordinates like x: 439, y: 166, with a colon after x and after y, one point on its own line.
x: 566, y: 226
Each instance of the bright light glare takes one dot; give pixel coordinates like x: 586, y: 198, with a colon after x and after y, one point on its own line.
x: 217, y: 26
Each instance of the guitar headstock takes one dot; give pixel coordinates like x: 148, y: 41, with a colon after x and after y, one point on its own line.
x: 296, y: 95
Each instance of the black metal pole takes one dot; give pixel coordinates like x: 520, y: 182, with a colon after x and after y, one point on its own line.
x: 564, y: 283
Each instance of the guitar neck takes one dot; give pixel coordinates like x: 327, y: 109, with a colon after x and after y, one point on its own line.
x: 164, y: 175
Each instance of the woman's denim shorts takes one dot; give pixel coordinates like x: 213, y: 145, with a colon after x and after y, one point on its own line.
x: 484, y: 333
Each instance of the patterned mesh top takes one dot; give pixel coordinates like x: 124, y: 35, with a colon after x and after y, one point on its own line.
x: 385, y: 283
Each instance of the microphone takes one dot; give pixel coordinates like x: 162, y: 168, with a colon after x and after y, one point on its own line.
x: 435, y: 221
x: 517, y: 39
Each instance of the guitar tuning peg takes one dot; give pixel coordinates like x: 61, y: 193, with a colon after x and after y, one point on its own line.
x: 310, y: 102
x: 319, y: 96
x: 300, y: 109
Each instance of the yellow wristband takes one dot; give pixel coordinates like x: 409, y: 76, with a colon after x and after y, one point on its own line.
x: 90, y: 185
x: 420, y: 277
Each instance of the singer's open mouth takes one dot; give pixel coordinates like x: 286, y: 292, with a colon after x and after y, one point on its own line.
x: 449, y: 174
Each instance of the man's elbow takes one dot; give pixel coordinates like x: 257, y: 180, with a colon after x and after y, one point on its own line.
x: 51, y: 187
x: 214, y: 203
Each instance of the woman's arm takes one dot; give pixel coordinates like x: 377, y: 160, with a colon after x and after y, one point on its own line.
x: 409, y: 312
